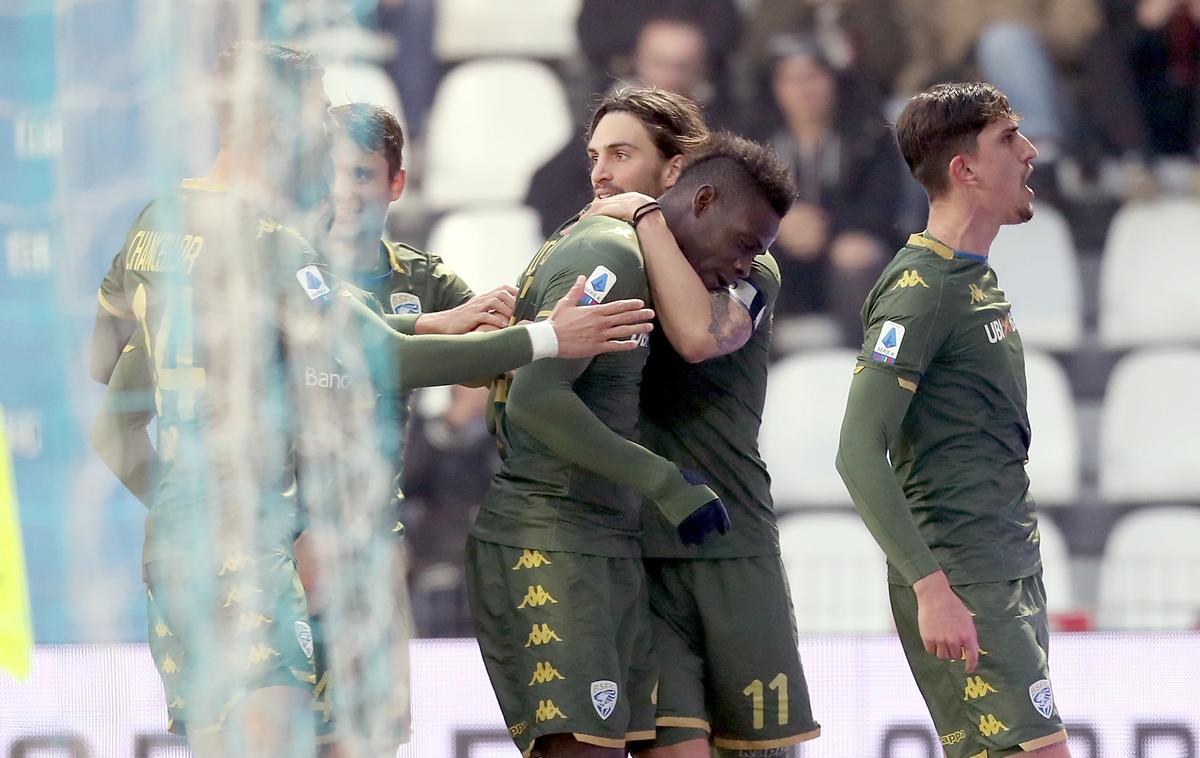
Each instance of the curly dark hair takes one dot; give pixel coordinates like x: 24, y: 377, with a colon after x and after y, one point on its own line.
x: 673, y: 121
x: 943, y: 121
x: 374, y: 129
x: 282, y: 75
x: 742, y: 165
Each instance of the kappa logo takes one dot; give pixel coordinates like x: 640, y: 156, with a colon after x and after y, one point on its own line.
x: 1042, y: 697
x: 531, y: 559
x: 233, y: 564
x: 536, y: 597
x: 405, y: 302
x: 170, y: 666
x: 910, y: 278
x: 954, y: 737
x: 161, y: 630
x: 977, y: 688
x: 599, y: 283
x: 236, y: 592
x: 260, y: 653
x: 604, y: 697
x: 989, y: 726
x: 251, y: 621
x: 542, y: 635
x: 544, y: 672
x: 976, y: 294
x: 887, y: 347
x: 304, y: 637
x: 518, y: 729
x: 547, y: 710
x: 314, y: 284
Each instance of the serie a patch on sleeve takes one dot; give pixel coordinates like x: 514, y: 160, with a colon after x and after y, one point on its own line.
x: 749, y: 295
x: 314, y: 284
x: 887, y: 347
x: 599, y: 283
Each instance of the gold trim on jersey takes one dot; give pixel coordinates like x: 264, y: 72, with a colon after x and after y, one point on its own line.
x: 766, y: 744
x: 646, y: 734
x: 592, y: 739
x: 684, y: 721
x: 905, y: 384
x: 114, y: 310
x: 1037, y: 744
x: 203, y: 186
x: 941, y: 249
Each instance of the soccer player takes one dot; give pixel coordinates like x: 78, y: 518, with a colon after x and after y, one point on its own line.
x: 554, y: 572
x: 736, y: 684
x: 939, y: 389
x: 228, y: 621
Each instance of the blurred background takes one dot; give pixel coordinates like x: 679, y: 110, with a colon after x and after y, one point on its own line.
x: 102, y: 106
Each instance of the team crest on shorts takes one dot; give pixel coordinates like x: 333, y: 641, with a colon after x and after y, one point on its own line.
x: 604, y: 697
x: 1042, y: 697
x: 304, y: 637
x: 406, y: 302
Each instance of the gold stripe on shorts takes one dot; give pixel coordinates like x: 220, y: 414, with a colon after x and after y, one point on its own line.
x: 765, y: 744
x: 1041, y: 742
x: 684, y: 722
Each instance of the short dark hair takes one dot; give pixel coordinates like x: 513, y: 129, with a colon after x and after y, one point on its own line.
x: 746, y: 166
x: 374, y: 129
x: 280, y: 83
x: 673, y: 121
x: 943, y: 121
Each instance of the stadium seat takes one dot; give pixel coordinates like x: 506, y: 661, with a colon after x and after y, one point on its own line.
x: 1149, y: 446
x: 351, y: 82
x: 1056, y: 568
x: 802, y: 420
x: 493, y: 123
x: 1037, y: 268
x: 1054, y: 452
x: 1149, y: 569
x: 487, y: 247
x: 837, y: 574
x: 1149, y: 273
x: 533, y: 28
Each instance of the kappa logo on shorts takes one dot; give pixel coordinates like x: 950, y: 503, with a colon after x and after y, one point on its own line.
x: 536, y: 597
x: 313, y: 283
x: 542, y: 635
x: 304, y: 637
x: 547, y: 710
x: 1042, y: 697
x: 989, y: 725
x: 604, y: 697
x: 976, y: 688
x: 887, y: 347
x: 544, y: 672
x: 531, y: 559
x: 599, y: 283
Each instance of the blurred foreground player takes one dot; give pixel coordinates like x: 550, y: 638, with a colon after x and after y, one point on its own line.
x: 939, y: 389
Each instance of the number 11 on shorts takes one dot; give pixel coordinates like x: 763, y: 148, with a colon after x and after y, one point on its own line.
x: 755, y: 691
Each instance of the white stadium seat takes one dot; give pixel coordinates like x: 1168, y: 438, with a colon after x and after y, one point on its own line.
x: 1149, y: 273
x: 802, y: 421
x: 487, y: 247
x: 493, y: 123
x: 1038, y: 269
x: 1149, y: 440
x: 1054, y: 452
x: 837, y: 574
x: 1149, y: 569
x: 533, y: 28
x: 350, y: 82
x: 1056, y: 568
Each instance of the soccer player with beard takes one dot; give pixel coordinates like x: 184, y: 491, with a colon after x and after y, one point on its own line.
x: 936, y: 436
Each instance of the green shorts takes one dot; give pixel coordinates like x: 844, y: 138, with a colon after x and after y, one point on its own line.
x: 725, y: 637
x: 218, y: 633
x: 378, y: 701
x: 1006, y: 706
x: 566, y: 642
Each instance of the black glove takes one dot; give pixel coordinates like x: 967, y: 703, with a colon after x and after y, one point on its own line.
x: 708, y: 518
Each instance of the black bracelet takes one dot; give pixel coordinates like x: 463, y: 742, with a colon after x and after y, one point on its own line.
x: 643, y: 211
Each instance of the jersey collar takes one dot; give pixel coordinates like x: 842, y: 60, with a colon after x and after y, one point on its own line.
x: 941, y: 249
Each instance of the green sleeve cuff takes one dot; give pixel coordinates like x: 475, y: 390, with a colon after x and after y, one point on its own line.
x: 405, y: 323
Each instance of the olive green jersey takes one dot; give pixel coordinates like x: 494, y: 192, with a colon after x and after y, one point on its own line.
x: 208, y: 280
x: 539, y: 499
x: 938, y: 322
x: 706, y: 417
x: 410, y: 282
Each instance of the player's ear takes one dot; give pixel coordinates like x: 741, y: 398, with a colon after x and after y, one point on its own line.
x: 704, y: 196
x: 397, y: 188
x: 961, y: 171
x: 671, y: 171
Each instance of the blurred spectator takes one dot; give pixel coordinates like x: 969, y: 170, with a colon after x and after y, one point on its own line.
x: 849, y: 177
x: 671, y: 49
x: 854, y: 34
x: 449, y: 463
x: 414, y: 69
x: 1021, y: 46
x: 1165, y: 59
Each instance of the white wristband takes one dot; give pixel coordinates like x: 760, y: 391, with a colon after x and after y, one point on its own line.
x: 543, y: 339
